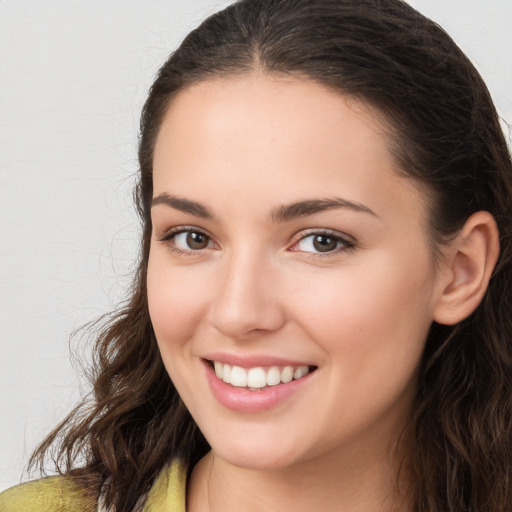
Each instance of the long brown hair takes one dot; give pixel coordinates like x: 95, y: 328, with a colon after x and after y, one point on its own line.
x: 444, y: 131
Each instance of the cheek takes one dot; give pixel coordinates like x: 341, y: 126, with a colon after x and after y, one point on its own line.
x: 371, y: 326
x: 176, y: 301
x: 371, y: 313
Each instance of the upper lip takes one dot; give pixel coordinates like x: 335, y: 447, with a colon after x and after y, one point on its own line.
x: 251, y: 361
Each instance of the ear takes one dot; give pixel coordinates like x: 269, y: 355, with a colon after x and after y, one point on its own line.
x: 470, y: 262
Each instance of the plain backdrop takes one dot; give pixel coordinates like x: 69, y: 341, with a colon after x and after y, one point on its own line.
x: 73, y: 77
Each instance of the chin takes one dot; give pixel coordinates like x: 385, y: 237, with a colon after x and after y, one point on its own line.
x: 255, y: 460
x: 256, y: 454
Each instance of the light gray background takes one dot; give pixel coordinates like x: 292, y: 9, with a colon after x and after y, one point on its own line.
x: 74, y: 75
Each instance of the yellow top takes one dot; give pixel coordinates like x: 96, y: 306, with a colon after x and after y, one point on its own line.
x: 60, y: 494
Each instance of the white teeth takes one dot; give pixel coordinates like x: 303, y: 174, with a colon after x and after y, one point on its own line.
x: 273, y: 376
x: 287, y: 374
x: 219, y: 369
x: 300, y: 372
x: 238, y: 377
x: 258, y: 377
x: 226, y: 373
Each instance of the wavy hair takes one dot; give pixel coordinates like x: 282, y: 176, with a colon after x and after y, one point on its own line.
x: 444, y: 132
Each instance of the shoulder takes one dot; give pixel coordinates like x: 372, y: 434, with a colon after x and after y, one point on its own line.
x: 52, y: 494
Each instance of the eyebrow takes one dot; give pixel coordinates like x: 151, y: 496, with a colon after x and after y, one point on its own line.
x: 183, y: 205
x: 310, y: 206
x: 282, y: 213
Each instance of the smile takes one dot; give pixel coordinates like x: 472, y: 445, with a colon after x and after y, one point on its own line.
x: 258, y: 377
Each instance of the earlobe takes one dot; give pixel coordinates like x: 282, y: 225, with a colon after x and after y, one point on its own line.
x: 471, y: 261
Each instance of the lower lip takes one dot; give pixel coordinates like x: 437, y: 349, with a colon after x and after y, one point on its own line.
x: 248, y: 401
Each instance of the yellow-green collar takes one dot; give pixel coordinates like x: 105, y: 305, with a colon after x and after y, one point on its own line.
x: 169, y: 490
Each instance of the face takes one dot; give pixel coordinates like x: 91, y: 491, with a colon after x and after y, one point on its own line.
x: 286, y: 246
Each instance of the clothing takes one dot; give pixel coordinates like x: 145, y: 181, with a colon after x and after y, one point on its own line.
x: 60, y: 494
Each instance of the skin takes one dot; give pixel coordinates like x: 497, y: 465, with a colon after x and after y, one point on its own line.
x: 242, y: 147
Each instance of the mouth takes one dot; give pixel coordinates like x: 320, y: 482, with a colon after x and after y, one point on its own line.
x: 259, y: 377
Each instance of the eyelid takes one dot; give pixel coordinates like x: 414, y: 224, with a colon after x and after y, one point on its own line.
x: 347, y: 241
x: 169, y: 234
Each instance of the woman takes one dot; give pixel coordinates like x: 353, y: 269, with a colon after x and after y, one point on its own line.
x: 326, y: 198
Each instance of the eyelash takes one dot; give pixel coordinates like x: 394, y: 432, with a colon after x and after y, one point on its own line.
x: 345, y: 243
x: 172, y: 233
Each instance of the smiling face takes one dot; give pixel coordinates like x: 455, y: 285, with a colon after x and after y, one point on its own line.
x: 284, y: 241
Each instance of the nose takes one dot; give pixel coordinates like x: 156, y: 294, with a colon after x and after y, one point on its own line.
x: 247, y: 301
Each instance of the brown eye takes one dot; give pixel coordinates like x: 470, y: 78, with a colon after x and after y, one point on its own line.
x: 323, y: 243
x: 196, y: 240
x: 187, y: 241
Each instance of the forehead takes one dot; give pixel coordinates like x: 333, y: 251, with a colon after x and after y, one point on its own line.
x: 255, y: 100
x: 278, y: 138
